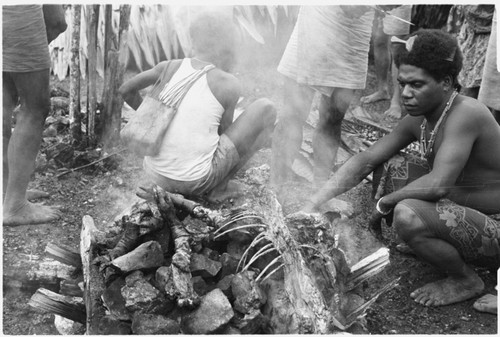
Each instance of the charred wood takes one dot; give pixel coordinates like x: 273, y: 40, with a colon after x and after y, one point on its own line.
x: 69, y: 307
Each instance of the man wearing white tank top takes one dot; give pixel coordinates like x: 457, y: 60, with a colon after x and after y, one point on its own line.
x: 203, y: 148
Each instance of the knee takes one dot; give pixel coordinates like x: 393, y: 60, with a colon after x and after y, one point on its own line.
x: 267, y: 110
x: 407, y: 223
x: 340, y: 101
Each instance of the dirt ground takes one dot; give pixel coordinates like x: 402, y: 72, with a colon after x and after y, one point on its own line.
x: 103, y: 193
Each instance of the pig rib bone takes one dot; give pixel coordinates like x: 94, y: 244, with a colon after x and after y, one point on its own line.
x: 240, y: 227
x: 256, y: 240
x: 267, y: 267
x: 264, y: 250
x: 274, y: 271
x: 233, y: 220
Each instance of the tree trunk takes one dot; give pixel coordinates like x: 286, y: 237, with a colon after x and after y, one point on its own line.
x: 92, y: 73
x: 74, y: 81
x: 115, y: 69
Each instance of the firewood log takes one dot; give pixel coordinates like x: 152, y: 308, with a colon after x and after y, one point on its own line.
x: 69, y: 307
x: 181, y: 261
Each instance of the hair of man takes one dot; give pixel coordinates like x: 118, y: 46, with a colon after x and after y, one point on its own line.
x: 434, y: 51
x: 213, y: 32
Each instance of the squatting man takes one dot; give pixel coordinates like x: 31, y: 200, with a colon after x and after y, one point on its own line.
x: 447, y: 216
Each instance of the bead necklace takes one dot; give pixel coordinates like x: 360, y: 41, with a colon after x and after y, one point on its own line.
x: 426, y: 147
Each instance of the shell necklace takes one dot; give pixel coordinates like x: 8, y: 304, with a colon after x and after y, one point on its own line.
x: 426, y: 147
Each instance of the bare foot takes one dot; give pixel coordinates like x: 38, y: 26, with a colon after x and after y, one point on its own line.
x: 375, y: 97
x: 449, y: 290
x: 393, y: 112
x: 36, y: 194
x: 30, y: 214
x: 487, y: 303
x: 233, y: 189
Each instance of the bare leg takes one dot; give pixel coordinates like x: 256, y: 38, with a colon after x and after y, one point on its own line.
x: 382, y: 56
x: 326, y: 139
x: 394, y: 110
x: 9, y: 101
x: 23, y: 148
x: 462, y: 282
x: 249, y: 133
x: 287, y: 137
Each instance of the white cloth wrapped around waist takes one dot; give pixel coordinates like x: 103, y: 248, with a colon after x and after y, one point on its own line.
x: 328, y: 49
x: 24, y: 44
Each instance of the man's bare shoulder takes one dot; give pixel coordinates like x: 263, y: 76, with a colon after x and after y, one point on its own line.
x: 171, y: 65
x: 474, y: 113
x: 225, y: 86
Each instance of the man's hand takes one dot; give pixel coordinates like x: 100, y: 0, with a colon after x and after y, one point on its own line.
x: 146, y: 192
x: 55, y: 21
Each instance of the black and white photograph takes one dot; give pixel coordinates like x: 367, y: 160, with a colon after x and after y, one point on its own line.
x: 230, y: 168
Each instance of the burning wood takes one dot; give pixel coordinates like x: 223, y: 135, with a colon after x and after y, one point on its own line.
x: 243, y: 270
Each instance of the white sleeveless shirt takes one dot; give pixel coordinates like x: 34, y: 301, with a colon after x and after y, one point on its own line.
x: 192, y: 138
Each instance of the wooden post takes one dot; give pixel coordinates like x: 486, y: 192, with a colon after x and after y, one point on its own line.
x: 92, y: 279
x: 74, y: 80
x: 109, y: 38
x: 92, y: 72
x: 115, y: 69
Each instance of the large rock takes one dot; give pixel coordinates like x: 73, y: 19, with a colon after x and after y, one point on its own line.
x: 149, y: 324
x: 200, y: 286
x: 211, y: 254
x: 229, y: 265
x: 203, y: 266
x: 109, y: 325
x: 140, y: 295
x: 248, y: 295
x: 163, y: 277
x: 113, y: 300
x: 212, y: 316
x: 147, y: 255
x: 252, y: 323
x: 225, y: 285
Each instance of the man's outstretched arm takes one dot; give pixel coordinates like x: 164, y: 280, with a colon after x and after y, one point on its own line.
x: 362, y: 164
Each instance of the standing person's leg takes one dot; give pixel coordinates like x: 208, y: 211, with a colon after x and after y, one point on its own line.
x: 382, y: 60
x: 33, y: 89
x: 447, y: 235
x: 326, y: 139
x: 9, y: 101
x: 287, y: 137
x: 250, y: 132
x: 394, y: 110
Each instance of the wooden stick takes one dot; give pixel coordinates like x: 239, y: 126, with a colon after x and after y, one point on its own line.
x: 90, y: 164
x: 367, y: 267
x: 66, y: 306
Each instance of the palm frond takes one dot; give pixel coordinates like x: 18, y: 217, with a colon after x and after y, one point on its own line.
x: 159, y: 32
